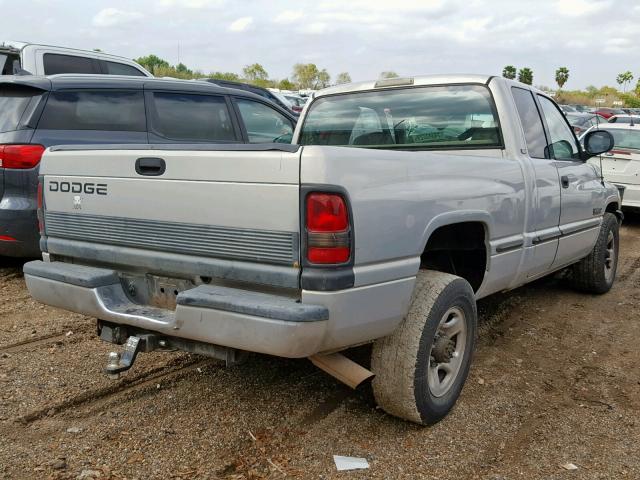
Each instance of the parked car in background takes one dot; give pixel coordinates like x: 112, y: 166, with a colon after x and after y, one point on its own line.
x: 21, y: 58
x: 263, y: 92
x: 296, y: 101
x: 624, y: 119
x: 39, y: 112
x: 581, y: 122
x: 580, y: 108
x: 621, y: 165
x: 609, y: 112
x: 567, y: 108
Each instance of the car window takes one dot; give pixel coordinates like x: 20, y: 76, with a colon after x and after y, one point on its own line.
x: 55, y: 63
x: 191, y: 117
x: 624, y: 138
x: 106, y: 110
x: 562, y: 144
x: 433, y: 117
x: 14, y: 100
x: 115, y: 68
x: 531, y: 122
x: 263, y: 123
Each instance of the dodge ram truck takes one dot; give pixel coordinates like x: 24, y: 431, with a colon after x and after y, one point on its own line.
x: 398, y: 204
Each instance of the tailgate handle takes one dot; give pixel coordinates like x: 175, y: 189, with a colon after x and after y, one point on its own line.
x: 150, y: 166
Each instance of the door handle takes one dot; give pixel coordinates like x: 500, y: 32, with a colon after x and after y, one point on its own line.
x: 150, y: 166
x: 564, y: 181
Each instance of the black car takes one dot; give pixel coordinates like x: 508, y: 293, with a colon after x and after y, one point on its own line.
x: 263, y: 92
x: 39, y: 112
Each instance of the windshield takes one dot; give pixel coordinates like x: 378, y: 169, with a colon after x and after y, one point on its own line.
x: 439, y: 117
x: 625, y: 139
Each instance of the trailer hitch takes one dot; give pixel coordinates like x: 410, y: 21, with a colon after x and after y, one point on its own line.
x: 135, y: 344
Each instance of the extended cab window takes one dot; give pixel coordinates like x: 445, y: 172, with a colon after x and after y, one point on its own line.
x: 562, y: 144
x: 263, y: 123
x: 438, y: 117
x: 531, y: 122
x: 192, y: 117
x: 54, y: 64
x: 94, y: 110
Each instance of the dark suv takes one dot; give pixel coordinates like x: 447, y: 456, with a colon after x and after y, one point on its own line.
x: 39, y: 112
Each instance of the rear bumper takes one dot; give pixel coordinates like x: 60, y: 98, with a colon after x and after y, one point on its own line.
x: 235, y: 318
x: 232, y: 318
x: 19, y: 222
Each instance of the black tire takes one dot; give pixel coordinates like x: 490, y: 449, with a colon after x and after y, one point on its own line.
x: 402, y: 361
x: 597, y: 272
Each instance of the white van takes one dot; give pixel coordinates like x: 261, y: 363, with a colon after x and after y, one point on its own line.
x: 21, y: 57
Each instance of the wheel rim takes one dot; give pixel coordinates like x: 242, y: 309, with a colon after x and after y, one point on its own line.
x: 447, y: 351
x: 610, y: 257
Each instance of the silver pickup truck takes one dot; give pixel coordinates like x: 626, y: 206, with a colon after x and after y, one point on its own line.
x: 398, y: 205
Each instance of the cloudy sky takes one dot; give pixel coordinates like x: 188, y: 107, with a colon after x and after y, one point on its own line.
x: 595, y: 39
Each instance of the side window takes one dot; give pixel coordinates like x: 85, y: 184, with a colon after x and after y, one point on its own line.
x: 531, y: 122
x: 188, y: 117
x: 263, y: 123
x: 105, y: 110
x: 115, y: 68
x: 562, y: 144
x: 54, y: 64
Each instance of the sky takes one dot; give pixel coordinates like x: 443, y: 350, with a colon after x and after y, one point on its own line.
x: 595, y: 39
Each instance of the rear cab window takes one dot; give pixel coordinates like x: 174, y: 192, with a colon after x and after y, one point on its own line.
x: 416, y: 118
x: 106, y: 110
x: 188, y: 117
x: 9, y: 63
x: 115, y: 68
x: 15, y: 101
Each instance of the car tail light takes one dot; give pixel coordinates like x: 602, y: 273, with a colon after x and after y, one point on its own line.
x: 40, y: 207
x: 20, y: 156
x: 328, y: 230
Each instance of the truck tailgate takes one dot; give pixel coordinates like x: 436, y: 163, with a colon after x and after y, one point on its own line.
x: 234, y: 204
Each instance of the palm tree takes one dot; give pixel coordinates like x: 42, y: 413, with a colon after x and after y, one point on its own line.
x: 509, y: 72
x: 525, y: 75
x: 624, y: 79
x: 562, y: 76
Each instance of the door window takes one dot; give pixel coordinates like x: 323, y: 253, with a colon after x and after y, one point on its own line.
x: 263, y: 123
x: 54, y: 64
x: 562, y: 144
x: 189, y: 117
x: 531, y: 122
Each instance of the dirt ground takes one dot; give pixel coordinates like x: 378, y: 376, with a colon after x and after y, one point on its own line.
x: 556, y: 380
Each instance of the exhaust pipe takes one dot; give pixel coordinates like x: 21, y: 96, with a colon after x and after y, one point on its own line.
x: 340, y: 367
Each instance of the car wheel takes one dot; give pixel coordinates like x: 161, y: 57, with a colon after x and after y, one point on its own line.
x: 422, y: 366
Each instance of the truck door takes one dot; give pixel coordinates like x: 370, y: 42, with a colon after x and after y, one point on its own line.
x: 581, y: 193
x: 543, y: 222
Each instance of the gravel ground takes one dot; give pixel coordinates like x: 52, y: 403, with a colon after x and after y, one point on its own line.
x: 555, y: 380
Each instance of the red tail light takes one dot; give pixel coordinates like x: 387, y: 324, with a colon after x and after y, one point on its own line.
x: 328, y: 231
x: 20, y: 156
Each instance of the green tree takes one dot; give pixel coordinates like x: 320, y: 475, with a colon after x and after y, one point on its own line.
x: 624, y: 79
x: 151, y: 62
x: 388, y: 74
x: 286, y: 84
x: 305, y: 75
x: 343, y: 77
x: 232, y: 77
x: 256, y: 74
x: 562, y: 76
x: 525, y: 75
x: 509, y: 72
x: 323, y: 79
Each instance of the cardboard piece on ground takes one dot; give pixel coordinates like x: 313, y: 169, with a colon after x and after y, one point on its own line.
x: 350, y: 463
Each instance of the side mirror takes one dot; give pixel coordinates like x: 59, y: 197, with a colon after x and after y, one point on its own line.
x: 597, y: 142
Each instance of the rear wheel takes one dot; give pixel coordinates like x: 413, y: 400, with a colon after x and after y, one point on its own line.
x: 421, y: 367
x: 597, y: 272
